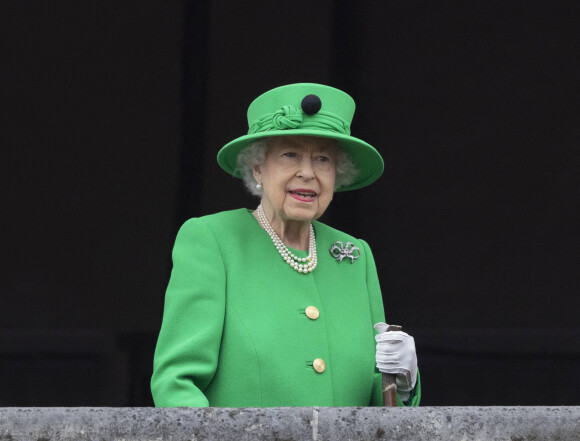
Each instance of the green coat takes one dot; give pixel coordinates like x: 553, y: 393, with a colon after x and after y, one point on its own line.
x: 235, y: 332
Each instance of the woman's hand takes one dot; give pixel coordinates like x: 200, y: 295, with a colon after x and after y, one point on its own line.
x: 396, y: 354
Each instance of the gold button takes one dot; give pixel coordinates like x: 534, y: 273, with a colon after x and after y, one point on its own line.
x: 319, y: 365
x: 312, y: 312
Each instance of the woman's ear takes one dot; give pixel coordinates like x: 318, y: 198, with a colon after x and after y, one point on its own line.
x: 257, y: 173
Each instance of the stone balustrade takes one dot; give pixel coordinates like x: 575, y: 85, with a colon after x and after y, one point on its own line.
x: 291, y: 423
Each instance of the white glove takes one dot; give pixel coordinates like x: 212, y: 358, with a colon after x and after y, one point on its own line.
x: 396, y: 354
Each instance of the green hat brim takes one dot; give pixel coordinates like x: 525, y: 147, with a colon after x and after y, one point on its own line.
x: 365, y: 157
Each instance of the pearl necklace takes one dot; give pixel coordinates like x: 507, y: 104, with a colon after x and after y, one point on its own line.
x: 298, y: 263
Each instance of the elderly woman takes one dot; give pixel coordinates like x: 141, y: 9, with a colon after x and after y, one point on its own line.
x: 271, y: 307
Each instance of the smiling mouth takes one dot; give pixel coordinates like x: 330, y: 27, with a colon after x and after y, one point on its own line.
x: 303, y: 195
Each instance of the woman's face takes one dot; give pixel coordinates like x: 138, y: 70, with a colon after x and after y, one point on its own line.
x: 297, y: 177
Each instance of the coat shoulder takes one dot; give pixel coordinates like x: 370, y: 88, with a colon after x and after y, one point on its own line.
x: 227, y: 219
x: 329, y: 233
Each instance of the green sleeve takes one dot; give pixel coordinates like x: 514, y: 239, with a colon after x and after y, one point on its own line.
x: 187, y: 350
x: 378, y: 315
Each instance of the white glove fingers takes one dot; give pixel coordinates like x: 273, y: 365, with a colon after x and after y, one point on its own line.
x: 396, y: 355
x: 393, y: 335
x: 381, y: 327
x: 394, y: 345
x: 390, y: 356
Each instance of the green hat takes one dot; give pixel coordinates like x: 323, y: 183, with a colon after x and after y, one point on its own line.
x: 310, y: 110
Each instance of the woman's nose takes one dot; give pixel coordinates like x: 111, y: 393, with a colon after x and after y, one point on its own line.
x: 306, y: 171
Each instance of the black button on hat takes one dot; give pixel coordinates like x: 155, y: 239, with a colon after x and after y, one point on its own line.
x: 311, y: 104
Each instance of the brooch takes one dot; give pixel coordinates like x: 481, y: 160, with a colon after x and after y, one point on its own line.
x: 339, y: 251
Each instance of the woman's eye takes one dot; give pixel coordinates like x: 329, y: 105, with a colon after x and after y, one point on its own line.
x: 289, y: 154
x: 323, y: 158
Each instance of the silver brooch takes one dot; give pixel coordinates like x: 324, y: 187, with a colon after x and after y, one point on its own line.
x: 339, y: 251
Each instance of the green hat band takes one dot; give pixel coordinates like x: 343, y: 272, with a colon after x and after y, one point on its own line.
x: 290, y: 117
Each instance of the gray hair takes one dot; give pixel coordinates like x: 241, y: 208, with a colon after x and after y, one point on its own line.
x: 255, y: 154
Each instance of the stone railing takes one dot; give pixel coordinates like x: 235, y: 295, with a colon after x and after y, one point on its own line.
x: 291, y: 423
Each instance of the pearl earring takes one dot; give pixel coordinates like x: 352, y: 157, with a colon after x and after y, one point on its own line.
x: 258, y: 187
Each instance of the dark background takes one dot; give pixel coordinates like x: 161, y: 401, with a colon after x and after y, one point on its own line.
x: 114, y: 112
